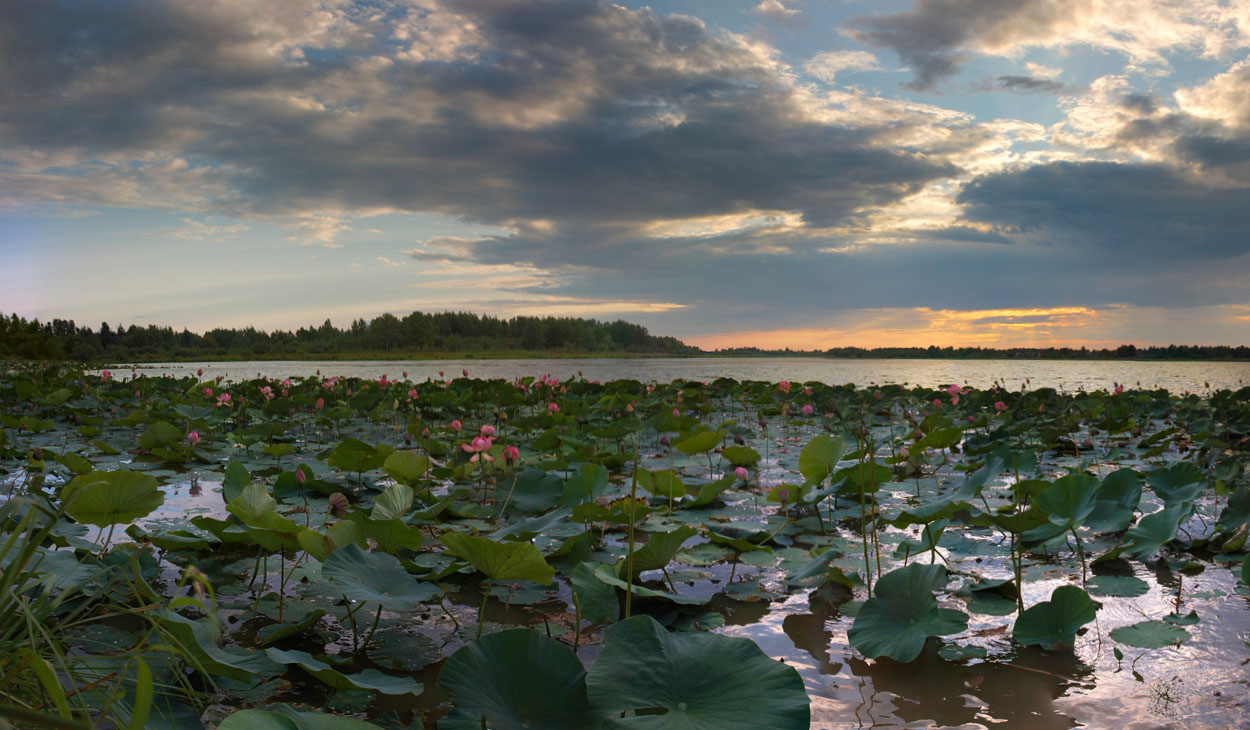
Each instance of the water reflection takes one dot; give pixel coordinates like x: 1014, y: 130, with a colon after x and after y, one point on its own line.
x: 1020, y: 692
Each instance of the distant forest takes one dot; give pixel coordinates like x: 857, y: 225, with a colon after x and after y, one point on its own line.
x: 419, y: 333
x: 385, y: 335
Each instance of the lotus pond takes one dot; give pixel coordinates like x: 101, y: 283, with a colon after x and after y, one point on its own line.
x: 334, y: 552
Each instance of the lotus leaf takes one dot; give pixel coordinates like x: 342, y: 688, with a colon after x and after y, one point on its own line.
x: 703, y: 681
x: 501, y: 560
x: 1053, y: 624
x: 378, y: 577
x: 104, y: 498
x: 903, y: 613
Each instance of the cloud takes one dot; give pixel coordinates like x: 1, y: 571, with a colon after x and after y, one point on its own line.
x: 826, y: 65
x: 1111, y: 211
x: 308, y: 115
x: 774, y: 10
x: 1029, y: 85
x: 935, y: 37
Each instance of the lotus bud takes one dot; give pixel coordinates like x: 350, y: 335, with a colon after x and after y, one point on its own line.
x: 338, y: 504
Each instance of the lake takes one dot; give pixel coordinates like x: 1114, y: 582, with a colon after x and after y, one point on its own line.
x: 1063, y: 375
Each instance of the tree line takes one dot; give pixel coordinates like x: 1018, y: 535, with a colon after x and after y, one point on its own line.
x: 385, y: 335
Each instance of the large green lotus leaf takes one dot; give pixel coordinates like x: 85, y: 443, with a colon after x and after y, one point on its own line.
x: 710, y: 491
x: 364, y: 679
x: 663, y: 484
x: 198, y: 641
x: 903, y: 614
x: 160, y: 433
x: 234, y: 481
x: 501, y: 560
x: 355, y: 455
x: 527, y: 528
x: 704, y: 681
x: 1069, y: 500
x: 608, y: 575
x: 819, y: 458
x: 1237, y: 512
x: 1122, y: 486
x: 741, y: 455
x: 257, y: 510
x: 104, y: 498
x: 1053, y: 624
x: 532, y: 490
x: 516, y: 680
x: 265, y: 720
x: 660, y: 549
x: 366, y: 576
x: 1155, y: 530
x: 391, y: 535
x: 1109, y: 517
x: 1149, y: 634
x: 589, y: 483
x: 1180, y: 482
x: 406, y: 467
x: 393, y: 503
x: 340, y: 534
x: 700, y: 442
x: 596, y: 599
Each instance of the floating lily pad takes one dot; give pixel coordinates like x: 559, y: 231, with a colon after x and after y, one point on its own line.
x: 1120, y: 586
x: 1150, y: 634
x: 376, y: 577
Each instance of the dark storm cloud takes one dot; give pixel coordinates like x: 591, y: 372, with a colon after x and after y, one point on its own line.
x: 492, y: 111
x: 1137, y: 213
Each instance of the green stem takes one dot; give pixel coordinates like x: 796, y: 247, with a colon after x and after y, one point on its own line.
x: 629, y: 547
x: 377, y: 617
x: 481, y: 610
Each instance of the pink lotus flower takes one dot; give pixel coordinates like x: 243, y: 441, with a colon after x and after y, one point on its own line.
x: 676, y: 413
x: 456, y: 425
x: 412, y: 394
x: 511, y: 454
x: 321, y: 403
x: 106, y: 375
x: 194, y: 438
x: 208, y: 392
x: 553, y: 408
x: 629, y: 407
x: 1118, y: 389
x: 903, y: 452
x: 140, y: 395
x: 488, y: 431
x: 267, y: 392
x: 405, y: 373
x: 807, y: 409
x: 200, y: 372
x: 784, y: 386
x: 286, y: 383
x: 223, y: 399
x: 383, y: 381
x: 1000, y: 406
x: 479, y: 448
x: 742, y: 473
x: 937, y: 403
x: 440, y: 373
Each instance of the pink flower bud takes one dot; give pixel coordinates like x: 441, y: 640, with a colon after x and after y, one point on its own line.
x: 807, y: 409
x: 553, y: 408
x: 321, y: 403
x: 456, y: 425
x: 194, y: 438
x: 488, y: 430
x: 742, y: 473
x: 300, y: 477
x: 511, y: 454
x: 338, y: 504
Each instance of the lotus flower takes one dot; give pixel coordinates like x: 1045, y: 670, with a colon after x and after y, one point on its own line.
x: 553, y: 408
x: 321, y: 403
x: 223, y: 399
x: 784, y: 386
x: 807, y: 409
x: 456, y: 425
x: 194, y: 438
x: 742, y: 473
x: 511, y: 454
x: 1000, y: 406
x: 479, y: 448
x: 488, y: 431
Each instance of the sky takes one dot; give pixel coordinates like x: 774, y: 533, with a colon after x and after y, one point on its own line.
x: 771, y: 173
